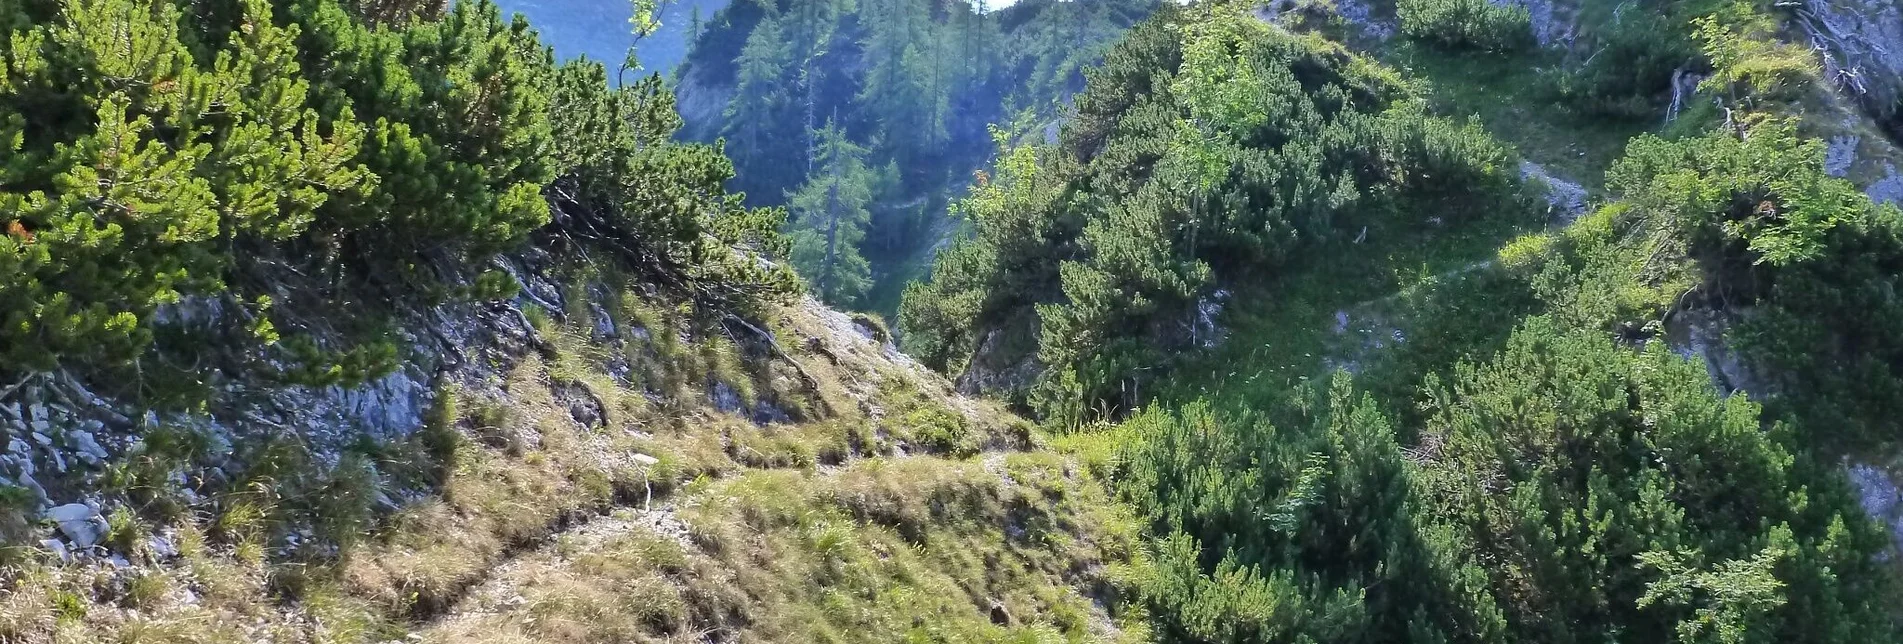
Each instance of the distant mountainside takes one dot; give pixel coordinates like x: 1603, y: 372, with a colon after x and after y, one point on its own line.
x: 891, y: 104
x: 599, y: 29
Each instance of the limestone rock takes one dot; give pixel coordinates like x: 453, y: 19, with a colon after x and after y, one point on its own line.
x: 79, y: 522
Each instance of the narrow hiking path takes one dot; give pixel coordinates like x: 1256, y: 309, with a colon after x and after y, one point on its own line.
x: 710, y: 564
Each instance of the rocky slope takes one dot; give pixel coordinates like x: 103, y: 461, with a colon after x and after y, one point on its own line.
x: 585, y: 462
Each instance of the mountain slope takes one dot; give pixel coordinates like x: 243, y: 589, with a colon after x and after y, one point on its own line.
x: 342, y: 322
x: 1536, y: 421
x: 912, y: 87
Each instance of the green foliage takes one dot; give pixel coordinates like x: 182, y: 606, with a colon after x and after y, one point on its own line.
x: 915, y: 83
x: 142, y: 164
x: 830, y: 218
x: 1306, y: 530
x: 147, y: 474
x: 1004, y: 266
x: 1747, y: 61
x: 1760, y: 223
x: 1765, y: 191
x: 662, y: 205
x: 1260, y: 143
x: 166, y: 163
x: 1636, y: 54
x: 1568, y: 461
x: 1639, y: 49
x: 1467, y: 24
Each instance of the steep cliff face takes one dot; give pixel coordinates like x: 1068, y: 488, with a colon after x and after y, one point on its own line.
x: 1860, y: 43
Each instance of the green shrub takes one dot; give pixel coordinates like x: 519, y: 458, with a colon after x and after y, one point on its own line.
x: 155, y: 152
x: 1208, y: 148
x: 1630, y: 71
x: 1467, y: 24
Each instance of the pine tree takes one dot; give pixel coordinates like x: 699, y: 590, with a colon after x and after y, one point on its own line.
x: 830, y: 214
x: 760, y: 101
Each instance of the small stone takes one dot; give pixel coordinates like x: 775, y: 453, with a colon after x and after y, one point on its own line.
x: 80, y: 523
x: 162, y: 547
x: 36, y: 411
x: 42, y: 439
x: 26, y: 481
x: 17, y: 446
x: 24, y: 463
x: 645, y: 459
x: 725, y: 399
x: 88, y: 446
x: 58, y: 548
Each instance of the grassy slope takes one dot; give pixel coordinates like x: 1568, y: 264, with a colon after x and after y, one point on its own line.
x: 1420, y: 294
x: 897, y: 512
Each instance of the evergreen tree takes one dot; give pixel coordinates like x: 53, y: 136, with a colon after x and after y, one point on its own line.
x: 829, y: 219
x: 761, y: 101
x: 157, y: 153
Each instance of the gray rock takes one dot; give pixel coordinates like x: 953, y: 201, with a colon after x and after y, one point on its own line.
x: 1566, y: 200
x: 1861, y: 42
x: 1840, y: 153
x: 1880, y: 498
x: 1700, y: 334
x: 162, y: 547
x: 604, y: 323
x: 1203, y: 330
x: 26, y: 481
x: 1888, y: 189
x: 767, y: 413
x: 17, y: 446
x: 23, y: 462
x: 88, y: 447
x: 1550, y: 26
x: 58, y: 548
x: 79, y: 522
x: 42, y: 439
x: 725, y: 399
x: 1360, y: 13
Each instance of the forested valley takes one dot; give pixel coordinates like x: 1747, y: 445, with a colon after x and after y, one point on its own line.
x: 1293, y: 321
x: 865, y: 119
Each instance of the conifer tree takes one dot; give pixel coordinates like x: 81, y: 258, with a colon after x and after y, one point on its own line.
x: 760, y: 99
x: 155, y: 153
x: 830, y: 214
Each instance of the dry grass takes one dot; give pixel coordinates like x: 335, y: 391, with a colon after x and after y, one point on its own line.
x: 844, y: 525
